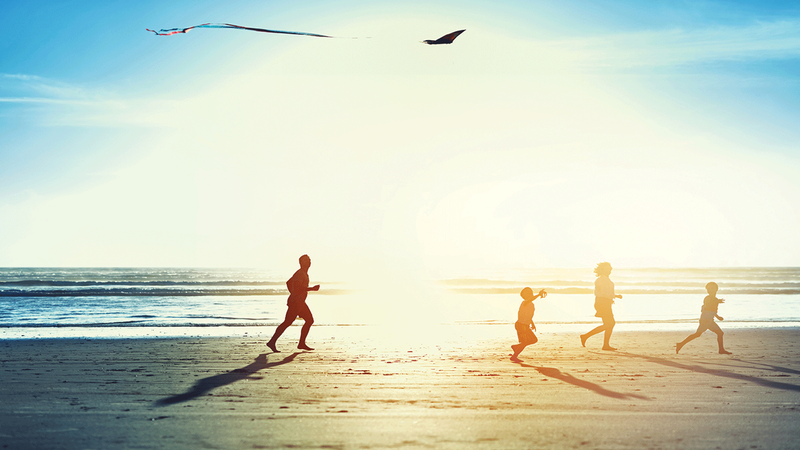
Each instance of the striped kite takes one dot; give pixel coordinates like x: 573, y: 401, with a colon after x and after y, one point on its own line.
x: 172, y: 31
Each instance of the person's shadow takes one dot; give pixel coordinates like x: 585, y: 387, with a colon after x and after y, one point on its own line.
x: 204, y: 385
x: 552, y: 372
x: 721, y: 372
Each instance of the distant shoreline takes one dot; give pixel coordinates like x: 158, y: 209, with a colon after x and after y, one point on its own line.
x: 486, y: 330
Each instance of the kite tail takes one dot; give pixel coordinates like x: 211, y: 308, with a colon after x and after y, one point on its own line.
x: 171, y: 31
x: 165, y: 32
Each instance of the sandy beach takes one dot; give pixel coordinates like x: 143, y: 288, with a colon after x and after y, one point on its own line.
x: 366, y: 388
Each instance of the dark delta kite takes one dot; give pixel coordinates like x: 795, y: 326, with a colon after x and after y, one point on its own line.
x: 446, y: 39
x: 172, y: 31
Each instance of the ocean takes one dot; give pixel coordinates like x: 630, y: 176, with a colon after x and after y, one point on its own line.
x: 158, y: 302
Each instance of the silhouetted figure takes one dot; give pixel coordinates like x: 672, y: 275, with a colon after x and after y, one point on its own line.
x: 446, y: 39
x: 297, y: 307
x: 707, y: 314
x: 525, y: 321
x: 603, y: 299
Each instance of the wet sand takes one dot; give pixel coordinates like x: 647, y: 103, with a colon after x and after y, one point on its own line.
x: 365, y: 388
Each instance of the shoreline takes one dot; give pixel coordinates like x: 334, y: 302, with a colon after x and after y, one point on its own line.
x: 222, y: 331
x: 403, y: 390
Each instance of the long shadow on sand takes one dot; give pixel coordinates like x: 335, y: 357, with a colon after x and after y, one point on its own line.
x: 719, y: 372
x: 759, y: 365
x: 552, y: 372
x: 206, y: 384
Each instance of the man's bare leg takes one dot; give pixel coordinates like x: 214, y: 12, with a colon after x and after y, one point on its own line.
x: 303, y: 333
x: 278, y: 332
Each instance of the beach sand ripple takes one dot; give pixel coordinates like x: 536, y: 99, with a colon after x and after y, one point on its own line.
x: 358, y: 391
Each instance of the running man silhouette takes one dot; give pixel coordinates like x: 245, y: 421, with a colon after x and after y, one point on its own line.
x: 297, y: 307
x: 707, y: 314
x: 525, y: 321
x: 603, y: 299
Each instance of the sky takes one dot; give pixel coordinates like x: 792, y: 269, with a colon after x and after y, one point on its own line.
x: 549, y: 134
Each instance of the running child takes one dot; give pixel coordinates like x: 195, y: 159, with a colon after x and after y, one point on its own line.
x: 525, y: 321
x: 707, y: 314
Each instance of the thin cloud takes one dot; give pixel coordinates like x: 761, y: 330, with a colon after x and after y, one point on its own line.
x: 40, y: 100
x: 62, y: 104
x: 758, y: 42
x: 43, y: 88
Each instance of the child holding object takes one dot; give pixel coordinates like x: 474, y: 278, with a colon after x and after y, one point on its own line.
x: 707, y: 314
x: 524, y: 325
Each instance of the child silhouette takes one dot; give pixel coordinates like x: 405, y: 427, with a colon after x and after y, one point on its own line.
x: 707, y: 314
x: 525, y: 321
x: 604, y: 296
